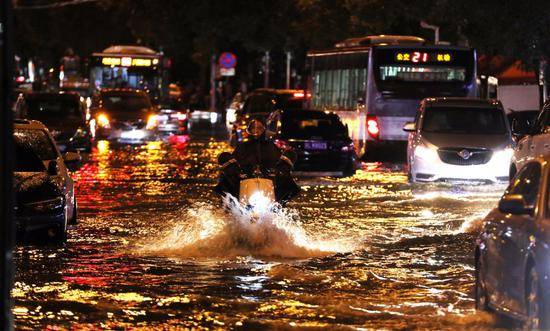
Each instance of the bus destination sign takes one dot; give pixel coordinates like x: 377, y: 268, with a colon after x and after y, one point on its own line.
x: 128, y: 62
x: 423, y: 57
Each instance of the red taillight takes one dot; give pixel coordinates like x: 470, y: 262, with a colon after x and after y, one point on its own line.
x: 281, y: 144
x: 299, y: 94
x: 372, y: 127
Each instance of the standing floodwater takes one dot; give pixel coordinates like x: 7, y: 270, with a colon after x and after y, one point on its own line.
x: 156, y: 249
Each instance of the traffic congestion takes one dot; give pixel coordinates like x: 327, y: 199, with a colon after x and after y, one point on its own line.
x: 386, y: 186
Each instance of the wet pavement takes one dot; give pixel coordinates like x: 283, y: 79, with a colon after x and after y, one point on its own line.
x: 154, y: 248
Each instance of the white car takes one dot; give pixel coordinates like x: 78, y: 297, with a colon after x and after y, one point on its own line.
x: 44, y: 190
x: 534, y: 140
x: 459, y: 139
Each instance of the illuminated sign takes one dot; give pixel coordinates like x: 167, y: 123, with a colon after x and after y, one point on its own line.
x: 128, y: 62
x: 421, y: 57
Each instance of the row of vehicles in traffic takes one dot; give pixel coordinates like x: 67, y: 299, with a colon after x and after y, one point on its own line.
x: 386, y: 90
x: 50, y: 132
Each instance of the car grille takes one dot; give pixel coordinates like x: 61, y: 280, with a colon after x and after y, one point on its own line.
x: 465, y: 156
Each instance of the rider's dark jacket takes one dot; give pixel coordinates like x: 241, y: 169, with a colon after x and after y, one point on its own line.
x: 263, y: 155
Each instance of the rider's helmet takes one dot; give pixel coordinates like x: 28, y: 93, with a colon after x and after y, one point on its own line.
x: 255, y: 128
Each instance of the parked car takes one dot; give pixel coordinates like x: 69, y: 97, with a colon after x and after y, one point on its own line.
x: 44, y: 190
x: 533, y: 139
x: 65, y: 114
x: 512, y: 255
x: 320, y: 141
x: 260, y: 104
x: 124, y: 115
x: 459, y: 139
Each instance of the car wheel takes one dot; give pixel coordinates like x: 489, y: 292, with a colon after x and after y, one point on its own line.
x: 482, y: 300
x: 73, y: 219
x: 534, y: 302
x: 59, y: 235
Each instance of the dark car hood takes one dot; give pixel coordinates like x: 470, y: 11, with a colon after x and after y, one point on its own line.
x: 487, y: 141
x: 35, y: 186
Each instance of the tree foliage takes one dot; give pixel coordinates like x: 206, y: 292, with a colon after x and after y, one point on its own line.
x: 191, y: 30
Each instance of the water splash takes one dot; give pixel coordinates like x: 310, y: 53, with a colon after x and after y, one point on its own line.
x: 231, y: 231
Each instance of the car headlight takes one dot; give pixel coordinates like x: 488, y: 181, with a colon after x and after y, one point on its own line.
x: 426, y: 153
x: 504, y: 155
x: 152, y: 122
x: 103, y: 121
x: 80, y: 133
x: 46, y: 206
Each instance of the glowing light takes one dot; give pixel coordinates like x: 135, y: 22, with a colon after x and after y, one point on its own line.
x: 372, y: 127
x: 103, y: 147
x: 103, y: 121
x: 213, y: 117
x: 152, y: 122
x: 426, y: 153
x: 126, y: 61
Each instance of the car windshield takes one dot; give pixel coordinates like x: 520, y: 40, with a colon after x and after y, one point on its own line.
x: 26, y: 159
x: 312, y: 126
x: 125, y: 102
x: 262, y: 103
x: 42, y: 109
x: 464, y: 120
x: 37, y: 141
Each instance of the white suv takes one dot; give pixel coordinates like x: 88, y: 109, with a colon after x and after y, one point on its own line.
x: 534, y: 139
x: 459, y: 139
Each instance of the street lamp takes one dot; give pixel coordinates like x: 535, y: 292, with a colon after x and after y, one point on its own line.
x: 425, y: 25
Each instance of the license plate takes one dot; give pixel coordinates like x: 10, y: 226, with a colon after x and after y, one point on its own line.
x: 316, y: 146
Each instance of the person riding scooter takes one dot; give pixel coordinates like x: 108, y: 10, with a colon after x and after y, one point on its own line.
x: 258, y: 156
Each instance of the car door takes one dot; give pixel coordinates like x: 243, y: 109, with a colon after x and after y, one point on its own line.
x: 513, y: 236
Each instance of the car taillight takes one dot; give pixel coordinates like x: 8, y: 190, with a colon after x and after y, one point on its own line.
x: 281, y: 144
x: 372, y: 127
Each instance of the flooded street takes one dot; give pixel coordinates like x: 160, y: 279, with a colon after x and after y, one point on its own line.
x: 154, y: 248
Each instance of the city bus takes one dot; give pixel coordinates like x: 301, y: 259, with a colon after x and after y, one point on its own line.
x: 375, y: 83
x: 135, y: 67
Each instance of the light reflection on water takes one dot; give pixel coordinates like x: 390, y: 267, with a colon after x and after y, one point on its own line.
x: 154, y: 249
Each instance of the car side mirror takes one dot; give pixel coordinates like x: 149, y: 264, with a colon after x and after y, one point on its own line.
x: 520, y: 128
x: 53, y: 168
x: 72, y: 160
x: 514, y: 204
x: 224, y: 158
x: 409, y: 127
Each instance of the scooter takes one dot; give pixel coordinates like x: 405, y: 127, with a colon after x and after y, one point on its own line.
x: 255, y: 190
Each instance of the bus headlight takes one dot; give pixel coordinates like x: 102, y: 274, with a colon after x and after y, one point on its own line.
x: 152, y: 122
x: 103, y: 121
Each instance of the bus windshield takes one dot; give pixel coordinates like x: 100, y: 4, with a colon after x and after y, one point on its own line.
x: 402, y: 69
x: 125, y: 102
